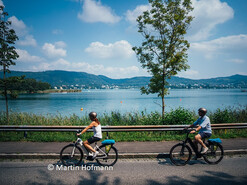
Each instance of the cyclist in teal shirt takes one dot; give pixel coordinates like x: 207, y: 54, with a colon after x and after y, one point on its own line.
x: 202, y: 125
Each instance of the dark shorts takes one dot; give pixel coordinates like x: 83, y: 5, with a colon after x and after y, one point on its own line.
x: 93, y: 139
x: 205, y: 135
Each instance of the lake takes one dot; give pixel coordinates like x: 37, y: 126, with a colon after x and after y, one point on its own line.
x: 124, y: 100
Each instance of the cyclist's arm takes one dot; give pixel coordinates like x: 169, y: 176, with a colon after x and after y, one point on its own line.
x: 88, y: 127
x: 194, y: 125
x: 191, y: 126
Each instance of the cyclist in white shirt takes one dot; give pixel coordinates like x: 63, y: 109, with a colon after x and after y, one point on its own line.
x: 97, y: 133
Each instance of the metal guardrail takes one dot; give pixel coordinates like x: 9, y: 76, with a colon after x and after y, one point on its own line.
x: 35, y: 128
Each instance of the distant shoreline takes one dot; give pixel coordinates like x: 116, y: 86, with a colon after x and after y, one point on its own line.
x: 58, y: 91
x: 48, y: 91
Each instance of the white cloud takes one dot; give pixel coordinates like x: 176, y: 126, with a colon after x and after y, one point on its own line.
x: 1, y: 3
x: 61, y: 62
x: 189, y: 74
x: 22, y: 32
x: 24, y: 56
x: 241, y: 73
x: 97, y: 69
x: 119, y: 49
x: 53, y: 51
x: 223, y: 45
x: 207, y: 15
x: 28, y: 40
x: 236, y: 61
x: 19, y: 26
x: 60, y: 44
x: 93, y: 11
x: 113, y: 72
x: 131, y: 16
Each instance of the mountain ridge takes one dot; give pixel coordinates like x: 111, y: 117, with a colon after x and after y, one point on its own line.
x: 72, y: 78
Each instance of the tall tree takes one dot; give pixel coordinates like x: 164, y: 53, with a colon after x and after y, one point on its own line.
x: 163, y: 50
x: 7, y: 50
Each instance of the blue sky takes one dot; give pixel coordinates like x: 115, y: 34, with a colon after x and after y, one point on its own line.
x: 97, y: 36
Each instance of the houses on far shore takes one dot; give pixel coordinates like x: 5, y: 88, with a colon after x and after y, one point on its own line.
x: 171, y: 86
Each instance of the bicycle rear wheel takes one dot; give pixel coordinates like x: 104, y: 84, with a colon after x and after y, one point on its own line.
x: 214, y: 154
x: 180, y: 154
x: 107, y: 156
x: 71, y: 155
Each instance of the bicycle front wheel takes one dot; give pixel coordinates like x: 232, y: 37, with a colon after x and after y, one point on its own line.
x: 214, y: 154
x: 71, y: 155
x: 108, y: 155
x: 180, y: 154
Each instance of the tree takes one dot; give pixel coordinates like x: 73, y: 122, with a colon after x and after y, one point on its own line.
x: 163, y: 50
x: 7, y: 50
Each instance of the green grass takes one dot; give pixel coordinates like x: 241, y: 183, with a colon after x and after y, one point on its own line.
x: 173, y: 117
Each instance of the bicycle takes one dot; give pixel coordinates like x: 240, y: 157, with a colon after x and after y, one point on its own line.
x: 180, y: 154
x: 72, y: 154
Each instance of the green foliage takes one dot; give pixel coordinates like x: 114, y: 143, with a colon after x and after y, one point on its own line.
x: 7, y: 39
x: 15, y: 84
x: 229, y: 115
x: 163, y: 51
x: 7, y: 50
x: 179, y: 116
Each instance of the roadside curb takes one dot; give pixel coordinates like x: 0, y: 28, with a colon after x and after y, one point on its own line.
x: 120, y: 155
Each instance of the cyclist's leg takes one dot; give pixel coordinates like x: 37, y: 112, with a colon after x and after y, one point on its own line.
x: 198, y: 139
x: 90, y: 141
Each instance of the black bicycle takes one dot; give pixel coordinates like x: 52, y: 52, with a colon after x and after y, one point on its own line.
x: 180, y: 154
x: 72, y: 154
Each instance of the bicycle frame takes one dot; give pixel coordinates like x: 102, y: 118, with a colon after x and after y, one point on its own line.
x: 80, y: 142
x: 192, y: 145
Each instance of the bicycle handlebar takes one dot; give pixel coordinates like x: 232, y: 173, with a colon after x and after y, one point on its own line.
x: 188, y: 130
x: 78, y: 131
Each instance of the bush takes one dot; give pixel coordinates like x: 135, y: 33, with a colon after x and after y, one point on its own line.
x: 179, y: 116
x: 229, y: 115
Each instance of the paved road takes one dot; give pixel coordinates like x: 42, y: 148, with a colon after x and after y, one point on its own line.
x: 232, y: 170
x: 123, y: 147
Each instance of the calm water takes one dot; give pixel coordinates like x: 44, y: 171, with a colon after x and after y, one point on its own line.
x: 105, y: 101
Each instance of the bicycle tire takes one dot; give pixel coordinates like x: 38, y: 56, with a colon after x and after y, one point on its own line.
x: 214, y: 154
x: 112, y: 156
x: 180, y: 154
x: 67, y: 159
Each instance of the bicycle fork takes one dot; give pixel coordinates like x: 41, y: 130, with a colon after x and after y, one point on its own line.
x: 73, y: 152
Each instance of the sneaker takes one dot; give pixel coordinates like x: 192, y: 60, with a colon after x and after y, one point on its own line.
x: 95, y: 154
x: 204, y: 150
x: 90, y: 154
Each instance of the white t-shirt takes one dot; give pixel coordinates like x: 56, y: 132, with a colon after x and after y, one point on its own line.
x: 97, y: 131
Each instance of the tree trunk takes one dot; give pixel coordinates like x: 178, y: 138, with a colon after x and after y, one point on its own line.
x: 5, y: 93
x: 163, y: 93
x: 163, y: 107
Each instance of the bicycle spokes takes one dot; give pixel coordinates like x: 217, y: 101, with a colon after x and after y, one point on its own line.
x: 180, y: 154
x: 215, y: 153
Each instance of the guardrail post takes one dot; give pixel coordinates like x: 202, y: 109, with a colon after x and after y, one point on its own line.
x: 107, y: 135
x: 25, y: 134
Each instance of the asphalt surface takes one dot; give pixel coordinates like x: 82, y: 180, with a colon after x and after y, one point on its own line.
x: 239, y: 144
x: 230, y: 171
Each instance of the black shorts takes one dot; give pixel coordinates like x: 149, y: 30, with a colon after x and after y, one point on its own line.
x: 205, y: 135
x: 93, y: 139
